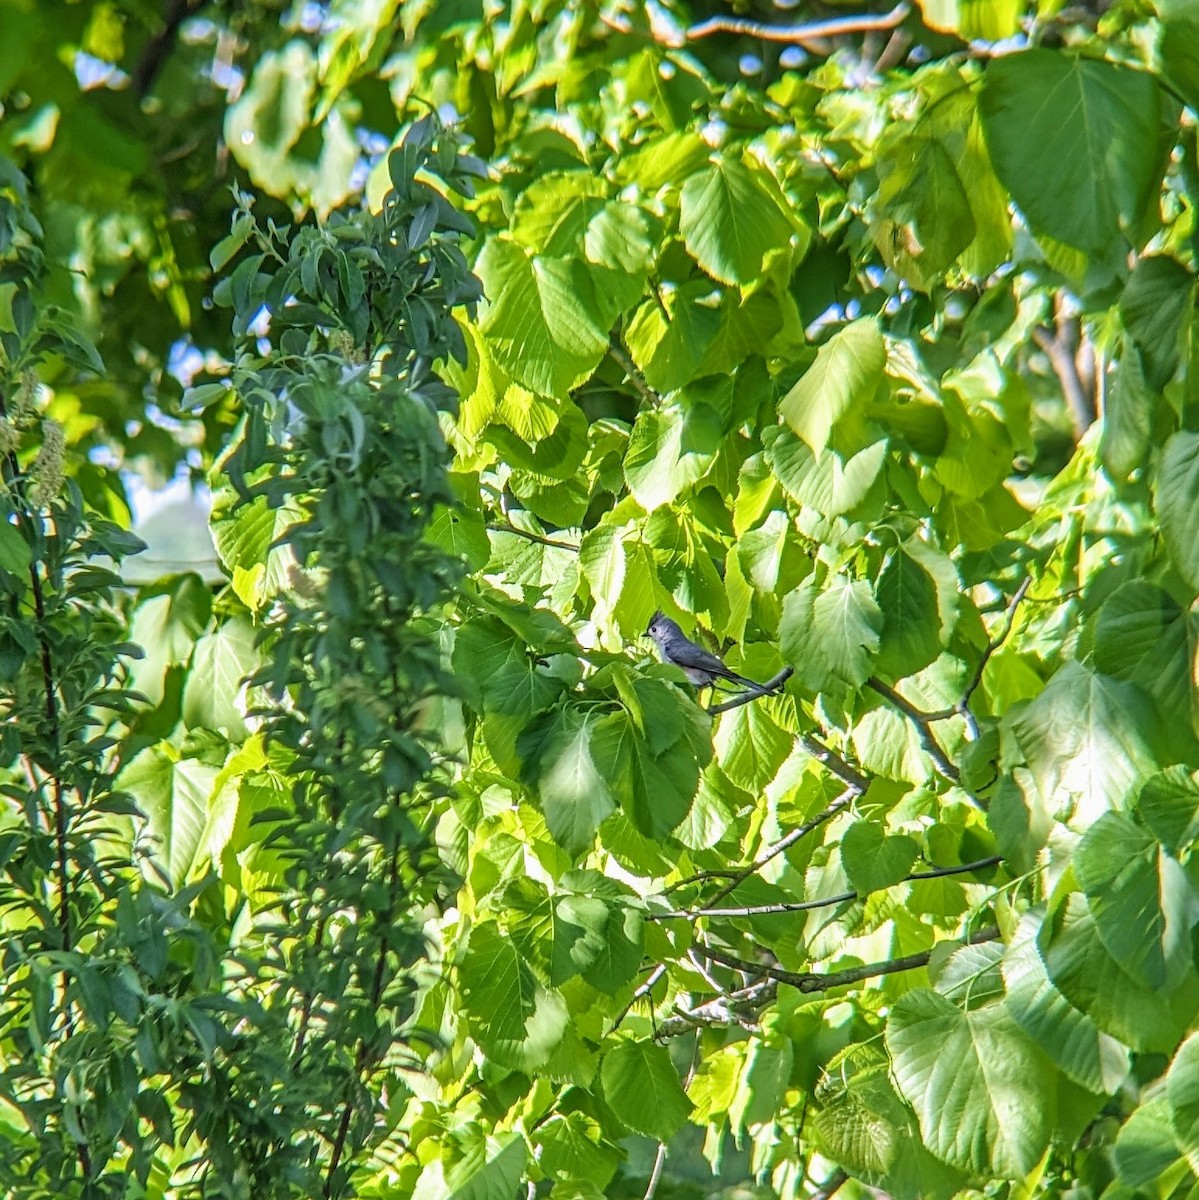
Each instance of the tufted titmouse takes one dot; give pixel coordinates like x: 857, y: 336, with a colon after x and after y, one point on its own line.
x: 700, y: 667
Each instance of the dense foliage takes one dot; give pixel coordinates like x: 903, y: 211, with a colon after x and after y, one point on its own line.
x: 865, y: 349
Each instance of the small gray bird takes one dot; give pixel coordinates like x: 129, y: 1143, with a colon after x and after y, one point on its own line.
x: 701, y: 668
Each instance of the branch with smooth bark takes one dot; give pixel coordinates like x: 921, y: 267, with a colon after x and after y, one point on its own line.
x: 759, y: 690
x: 764, y: 910
x: 808, y: 981
x: 923, y: 723
x: 809, y: 34
x: 1061, y: 347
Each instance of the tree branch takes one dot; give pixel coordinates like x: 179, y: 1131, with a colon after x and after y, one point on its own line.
x: 759, y: 689
x: 808, y: 982
x: 993, y: 645
x: 834, y: 763
x: 811, y: 31
x: 923, y: 722
x: 831, y: 1187
x: 1061, y: 349
x: 625, y: 362
x: 528, y: 535
x: 158, y: 48
x: 765, y: 910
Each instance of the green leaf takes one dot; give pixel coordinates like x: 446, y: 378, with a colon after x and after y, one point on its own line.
x: 166, y: 623
x: 462, y: 533
x: 669, y: 450
x: 1127, y: 419
x: 511, y: 1016
x: 873, y: 861
x: 751, y: 747
x: 501, y: 671
x: 1142, y: 636
x: 1085, y: 740
x: 669, y: 350
x: 925, y: 220
x: 842, y: 381
x: 1146, y: 1146
x: 221, y: 663
x: 1142, y: 901
x: 570, y: 784
x: 831, y: 636
x: 1075, y: 140
x: 245, y: 536
x: 827, y: 482
x: 553, y: 212
x: 563, y: 934
x: 1156, y: 301
x: 641, y: 1085
x: 1182, y: 1094
x: 572, y: 1146
x: 1178, y: 45
x: 918, y: 594
x: 491, y: 1169
x: 983, y: 1094
x: 172, y: 794
x: 654, y: 787
x: 729, y: 221
x: 1068, y: 1036
x: 546, y: 326
x: 15, y: 555
x: 1169, y: 805
x: 1177, y: 499
x: 1080, y: 966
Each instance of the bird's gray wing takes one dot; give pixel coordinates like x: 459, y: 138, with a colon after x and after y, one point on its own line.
x: 699, y: 659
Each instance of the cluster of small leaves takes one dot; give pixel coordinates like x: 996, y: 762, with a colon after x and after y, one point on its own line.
x: 99, y: 964
x: 330, y: 488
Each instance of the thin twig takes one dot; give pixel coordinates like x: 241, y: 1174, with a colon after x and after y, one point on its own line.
x: 656, y: 1174
x: 765, y: 910
x: 756, y: 692
x: 810, y: 31
x: 993, y: 645
x: 785, y: 842
x: 28, y: 518
x: 923, y: 723
x: 833, y: 762
x: 644, y: 990
x: 540, y: 538
x: 1061, y: 348
x: 807, y: 981
x: 625, y: 362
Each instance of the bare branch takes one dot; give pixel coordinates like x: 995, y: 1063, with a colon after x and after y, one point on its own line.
x: 834, y: 763
x: 788, y: 840
x: 759, y: 689
x: 811, y: 31
x: 765, y: 910
x: 624, y: 360
x: 1009, y: 622
x: 528, y: 535
x: 808, y: 982
x: 923, y: 723
x: 644, y: 990
x: 1061, y: 348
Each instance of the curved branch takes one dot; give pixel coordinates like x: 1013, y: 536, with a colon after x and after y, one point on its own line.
x: 808, y: 982
x: 808, y: 32
x: 923, y: 723
x: 765, y: 910
x: 759, y: 689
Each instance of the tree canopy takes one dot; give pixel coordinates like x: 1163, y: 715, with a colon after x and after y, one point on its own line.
x: 861, y: 344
